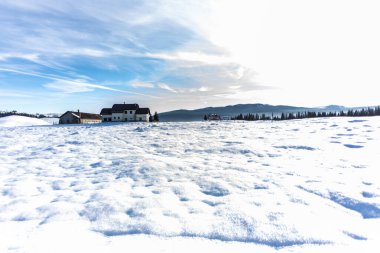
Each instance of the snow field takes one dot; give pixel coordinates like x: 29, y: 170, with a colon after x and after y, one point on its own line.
x: 302, y: 185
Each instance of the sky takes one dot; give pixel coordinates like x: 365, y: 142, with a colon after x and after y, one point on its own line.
x: 165, y: 54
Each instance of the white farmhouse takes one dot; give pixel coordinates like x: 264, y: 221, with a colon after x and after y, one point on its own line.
x: 143, y: 114
x: 125, y: 112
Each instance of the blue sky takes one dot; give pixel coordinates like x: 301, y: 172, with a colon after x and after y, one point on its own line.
x: 67, y: 55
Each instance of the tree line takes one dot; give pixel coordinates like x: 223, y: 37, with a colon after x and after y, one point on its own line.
x: 364, y: 112
x: 154, y: 118
x: 10, y: 113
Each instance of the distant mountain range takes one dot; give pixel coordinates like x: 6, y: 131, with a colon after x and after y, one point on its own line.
x: 234, y: 110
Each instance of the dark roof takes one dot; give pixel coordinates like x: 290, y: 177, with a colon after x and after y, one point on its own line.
x: 106, y: 111
x: 84, y: 115
x: 65, y: 113
x: 143, y: 111
x: 120, y: 108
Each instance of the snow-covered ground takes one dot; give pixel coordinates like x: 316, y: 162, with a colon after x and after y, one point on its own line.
x: 15, y: 120
x: 291, y: 186
x: 52, y: 121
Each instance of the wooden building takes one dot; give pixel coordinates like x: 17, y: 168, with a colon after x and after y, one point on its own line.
x: 71, y: 117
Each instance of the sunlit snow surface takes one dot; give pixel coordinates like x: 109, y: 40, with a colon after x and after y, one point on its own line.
x: 302, y: 186
x: 15, y: 120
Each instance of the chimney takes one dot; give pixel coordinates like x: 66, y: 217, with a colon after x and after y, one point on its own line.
x: 124, y: 102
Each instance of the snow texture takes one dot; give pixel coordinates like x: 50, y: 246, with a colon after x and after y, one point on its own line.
x: 289, y: 186
x: 52, y: 121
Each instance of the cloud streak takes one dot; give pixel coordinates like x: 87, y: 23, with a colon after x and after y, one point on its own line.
x: 166, y: 87
x: 139, y: 84
x: 72, y: 86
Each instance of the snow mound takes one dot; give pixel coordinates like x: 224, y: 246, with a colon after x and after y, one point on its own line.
x: 15, y: 121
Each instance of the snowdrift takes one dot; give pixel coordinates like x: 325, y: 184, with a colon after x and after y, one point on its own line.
x: 15, y: 121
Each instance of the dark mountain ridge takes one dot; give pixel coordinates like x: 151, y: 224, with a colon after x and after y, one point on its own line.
x: 234, y: 110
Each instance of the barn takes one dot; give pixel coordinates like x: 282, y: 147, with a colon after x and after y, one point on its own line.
x: 71, y: 117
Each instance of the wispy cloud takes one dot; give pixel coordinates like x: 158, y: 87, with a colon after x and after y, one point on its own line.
x: 196, y: 57
x: 139, y: 84
x: 71, y: 86
x: 166, y: 87
x: 30, y: 57
x: 14, y: 94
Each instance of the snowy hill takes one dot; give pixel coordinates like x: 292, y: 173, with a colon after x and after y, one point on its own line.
x: 291, y: 186
x: 14, y: 121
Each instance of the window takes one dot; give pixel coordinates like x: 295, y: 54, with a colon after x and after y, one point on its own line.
x: 130, y: 112
x: 114, y: 117
x: 125, y: 112
x: 118, y: 117
x: 140, y: 119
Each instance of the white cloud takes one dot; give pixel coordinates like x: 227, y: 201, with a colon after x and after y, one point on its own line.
x: 69, y: 86
x: 139, y: 84
x: 166, y: 87
x: 30, y: 57
x: 198, y: 57
x: 203, y: 88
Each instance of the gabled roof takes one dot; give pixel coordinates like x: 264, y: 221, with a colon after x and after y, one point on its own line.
x: 106, y: 111
x: 71, y: 112
x: 84, y: 115
x: 143, y: 111
x: 120, y: 108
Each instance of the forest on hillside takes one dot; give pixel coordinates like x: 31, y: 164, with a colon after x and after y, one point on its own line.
x: 11, y: 113
x: 364, y: 112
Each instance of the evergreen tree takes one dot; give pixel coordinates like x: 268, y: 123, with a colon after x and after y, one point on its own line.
x: 377, y: 110
x: 257, y: 117
x: 155, y: 117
